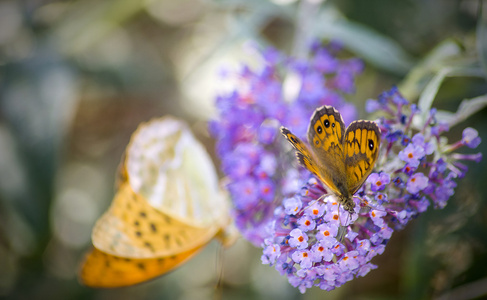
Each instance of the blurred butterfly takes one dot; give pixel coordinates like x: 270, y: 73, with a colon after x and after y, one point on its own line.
x: 168, y: 207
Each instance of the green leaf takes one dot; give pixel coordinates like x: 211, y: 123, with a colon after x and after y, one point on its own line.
x: 429, y: 93
x: 419, y: 76
x: 366, y: 43
x: 467, y: 108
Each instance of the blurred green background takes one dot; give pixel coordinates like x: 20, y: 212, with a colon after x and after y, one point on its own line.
x: 77, y: 77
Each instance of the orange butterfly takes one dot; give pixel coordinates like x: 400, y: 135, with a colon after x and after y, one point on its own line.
x: 168, y: 207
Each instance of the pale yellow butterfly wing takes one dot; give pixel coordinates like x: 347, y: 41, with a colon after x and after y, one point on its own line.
x: 102, y: 270
x: 171, y: 169
x: 362, y: 144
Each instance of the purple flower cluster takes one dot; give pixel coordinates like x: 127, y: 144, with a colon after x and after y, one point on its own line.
x: 304, y: 232
x: 258, y: 170
x: 305, y: 243
x: 417, y: 168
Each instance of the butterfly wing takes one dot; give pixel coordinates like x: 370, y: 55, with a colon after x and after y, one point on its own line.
x: 133, y: 228
x: 303, y: 154
x: 102, y: 270
x: 325, y: 135
x: 362, y: 143
x: 167, y: 165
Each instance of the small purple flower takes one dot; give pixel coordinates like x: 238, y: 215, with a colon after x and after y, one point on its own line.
x: 416, y: 183
x: 246, y: 192
x: 405, y: 140
x: 421, y: 205
x: 271, y: 253
x: 306, y: 223
x: 236, y: 166
x: 470, y: 137
x: 363, y: 246
x: 316, y: 210
x: 312, y: 87
x: 408, y: 169
x: 321, y: 252
x: 372, y: 105
x: 412, y: 154
x: 418, y: 140
x: 365, y: 269
x: 267, y: 133
x: 349, y: 261
x: 380, y: 198
x: 376, y: 216
x: 266, y: 189
x: 386, y: 232
x: 327, y: 234
x: 298, y: 240
x: 398, y: 182
x: 440, y: 128
x: 292, y: 205
x: 378, y: 181
x: 303, y: 258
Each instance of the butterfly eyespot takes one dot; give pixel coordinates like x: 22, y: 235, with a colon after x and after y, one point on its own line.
x: 371, y: 144
x: 327, y: 123
x: 293, y: 139
x: 319, y: 129
x: 333, y: 125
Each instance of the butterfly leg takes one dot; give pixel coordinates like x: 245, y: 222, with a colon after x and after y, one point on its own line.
x: 365, y: 206
x: 342, y: 229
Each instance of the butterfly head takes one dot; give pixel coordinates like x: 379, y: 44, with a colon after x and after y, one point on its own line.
x: 348, y: 204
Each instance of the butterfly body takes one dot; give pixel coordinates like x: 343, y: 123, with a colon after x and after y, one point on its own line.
x: 341, y: 158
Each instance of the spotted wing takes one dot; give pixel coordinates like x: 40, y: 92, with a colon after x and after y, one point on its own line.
x: 133, y: 228
x: 325, y: 135
x: 362, y: 143
x: 303, y: 154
